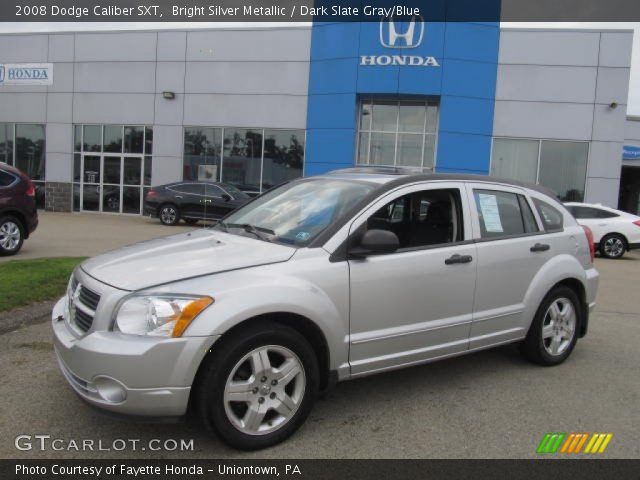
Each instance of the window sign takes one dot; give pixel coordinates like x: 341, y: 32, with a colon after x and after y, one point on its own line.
x: 490, y: 213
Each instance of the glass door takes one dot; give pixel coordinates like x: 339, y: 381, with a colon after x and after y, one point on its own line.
x: 112, y: 184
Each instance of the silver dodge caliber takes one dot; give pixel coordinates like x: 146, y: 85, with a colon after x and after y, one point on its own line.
x: 320, y: 280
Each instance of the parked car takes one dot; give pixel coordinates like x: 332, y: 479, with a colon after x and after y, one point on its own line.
x: 18, y: 213
x: 323, y: 279
x: 614, y: 231
x: 192, y: 201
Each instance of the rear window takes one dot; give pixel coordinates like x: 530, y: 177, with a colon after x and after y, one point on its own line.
x: 6, y: 179
x: 503, y: 214
x: 551, y: 217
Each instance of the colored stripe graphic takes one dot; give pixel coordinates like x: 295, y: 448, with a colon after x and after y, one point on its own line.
x: 598, y: 443
x: 551, y: 442
x: 572, y: 443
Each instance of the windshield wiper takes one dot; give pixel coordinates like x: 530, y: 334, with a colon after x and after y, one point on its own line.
x: 256, y: 231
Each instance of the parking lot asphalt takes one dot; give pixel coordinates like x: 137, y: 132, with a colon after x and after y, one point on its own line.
x: 87, y: 234
x: 490, y: 404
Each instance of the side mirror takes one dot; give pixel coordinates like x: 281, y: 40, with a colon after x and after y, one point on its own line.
x: 376, y: 242
x: 226, y: 197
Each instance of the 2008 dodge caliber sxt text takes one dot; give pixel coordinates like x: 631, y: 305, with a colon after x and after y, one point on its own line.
x: 323, y: 279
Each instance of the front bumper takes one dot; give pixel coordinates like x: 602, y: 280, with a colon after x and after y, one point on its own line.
x: 128, y: 374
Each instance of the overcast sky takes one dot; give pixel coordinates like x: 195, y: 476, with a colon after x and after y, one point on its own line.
x: 634, y: 88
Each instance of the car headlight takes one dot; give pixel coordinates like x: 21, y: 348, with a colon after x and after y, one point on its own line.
x: 159, y: 315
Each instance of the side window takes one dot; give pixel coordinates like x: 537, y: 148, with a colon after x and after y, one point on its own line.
x: 605, y: 213
x: 212, y: 191
x: 500, y: 214
x: 552, y: 219
x: 190, y: 188
x: 530, y: 224
x: 420, y: 219
x: 6, y: 179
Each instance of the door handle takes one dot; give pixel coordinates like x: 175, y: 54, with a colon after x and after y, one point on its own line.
x: 540, y: 247
x: 458, y: 259
x: 178, y: 196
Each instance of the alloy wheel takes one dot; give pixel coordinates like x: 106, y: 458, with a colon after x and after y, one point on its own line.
x: 9, y: 235
x: 559, y: 326
x: 614, y: 247
x: 264, y: 390
x: 168, y: 215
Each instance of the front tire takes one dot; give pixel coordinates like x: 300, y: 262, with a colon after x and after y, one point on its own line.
x: 11, y: 236
x: 169, y: 214
x: 554, y: 331
x: 612, y: 246
x: 257, y: 386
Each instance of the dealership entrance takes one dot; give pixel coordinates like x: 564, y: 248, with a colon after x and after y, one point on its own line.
x: 111, y: 183
x: 630, y: 189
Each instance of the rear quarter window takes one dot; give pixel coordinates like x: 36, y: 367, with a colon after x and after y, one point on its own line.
x: 552, y: 218
x: 6, y: 179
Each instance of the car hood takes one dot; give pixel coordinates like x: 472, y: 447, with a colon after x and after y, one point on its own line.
x: 182, y: 256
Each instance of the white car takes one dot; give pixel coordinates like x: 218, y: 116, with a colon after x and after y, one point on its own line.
x: 614, y: 231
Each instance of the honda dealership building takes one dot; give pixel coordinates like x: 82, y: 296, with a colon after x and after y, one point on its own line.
x: 97, y: 118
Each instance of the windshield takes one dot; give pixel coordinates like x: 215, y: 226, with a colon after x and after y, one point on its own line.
x: 297, y: 212
x: 234, y: 191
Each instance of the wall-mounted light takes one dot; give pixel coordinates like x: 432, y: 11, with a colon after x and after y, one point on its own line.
x: 613, y: 105
x: 169, y: 95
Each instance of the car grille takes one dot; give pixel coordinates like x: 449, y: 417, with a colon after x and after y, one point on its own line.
x: 84, y: 304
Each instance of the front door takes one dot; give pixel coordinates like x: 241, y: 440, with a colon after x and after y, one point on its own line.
x: 111, y: 183
x: 414, y: 304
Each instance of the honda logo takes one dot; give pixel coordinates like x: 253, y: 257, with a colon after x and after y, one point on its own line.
x: 392, y: 35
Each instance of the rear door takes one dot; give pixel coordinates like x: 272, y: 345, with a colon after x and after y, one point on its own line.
x: 190, y: 199
x: 510, y: 253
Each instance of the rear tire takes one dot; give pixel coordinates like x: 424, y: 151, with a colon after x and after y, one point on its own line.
x: 554, y: 331
x: 169, y: 214
x: 11, y: 235
x: 257, y: 386
x: 613, y: 246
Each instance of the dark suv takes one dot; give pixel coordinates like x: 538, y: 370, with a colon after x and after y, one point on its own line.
x: 18, y: 214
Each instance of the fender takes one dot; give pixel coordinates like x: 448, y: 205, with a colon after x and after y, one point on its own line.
x: 556, y: 269
x: 244, y: 294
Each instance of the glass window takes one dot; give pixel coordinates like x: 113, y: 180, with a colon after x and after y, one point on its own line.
x: 242, y: 158
x: 92, y: 138
x: 190, y: 188
x: 111, y: 169
x: 563, y: 168
x: 30, y: 150
x: 401, y: 133
x: 297, y: 212
x: 6, y: 143
x: 113, y: 138
x: 132, y: 174
x: 147, y: 170
x: 551, y: 217
x: 499, y: 214
x: 530, y: 224
x: 92, y: 169
x: 6, y: 179
x: 148, y: 140
x: 283, y: 156
x: 77, y: 138
x: 134, y: 139
x: 590, y: 212
x: 131, y: 200
x: 202, y: 148
x: 515, y: 159
x: 77, y: 158
x: 430, y: 217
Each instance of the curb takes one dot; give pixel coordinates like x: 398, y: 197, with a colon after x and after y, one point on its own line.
x: 20, y: 317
